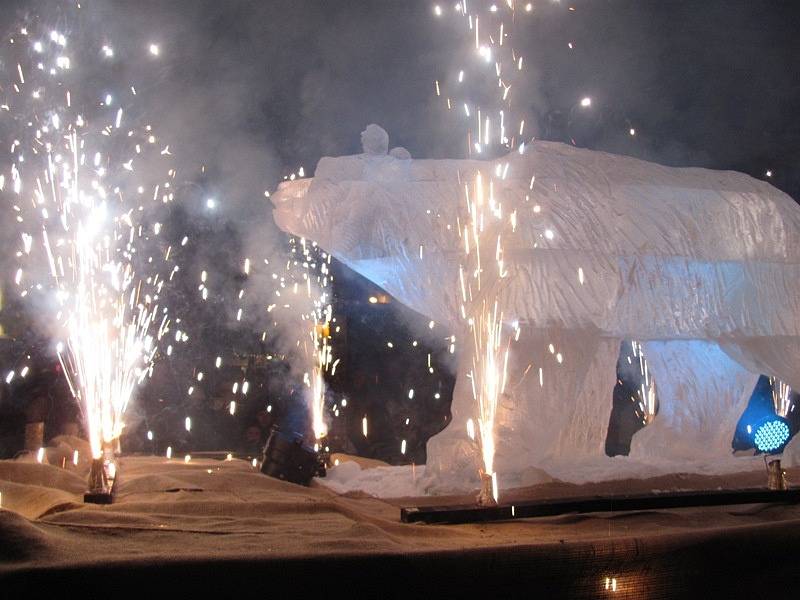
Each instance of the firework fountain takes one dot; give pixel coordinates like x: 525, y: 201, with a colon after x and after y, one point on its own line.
x: 645, y: 398
x: 491, y: 130
x: 314, y: 288
x: 479, y: 288
x: 301, y: 306
x: 84, y: 184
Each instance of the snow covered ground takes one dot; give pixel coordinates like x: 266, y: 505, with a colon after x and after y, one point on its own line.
x: 407, y: 481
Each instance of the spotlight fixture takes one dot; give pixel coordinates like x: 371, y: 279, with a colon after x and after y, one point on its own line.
x: 771, y: 434
x: 286, y: 457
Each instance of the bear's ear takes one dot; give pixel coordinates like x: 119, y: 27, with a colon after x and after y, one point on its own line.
x: 400, y: 153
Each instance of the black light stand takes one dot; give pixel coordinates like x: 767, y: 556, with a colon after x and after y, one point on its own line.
x: 103, y: 478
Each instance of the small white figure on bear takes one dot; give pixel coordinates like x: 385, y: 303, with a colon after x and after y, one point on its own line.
x: 375, y: 140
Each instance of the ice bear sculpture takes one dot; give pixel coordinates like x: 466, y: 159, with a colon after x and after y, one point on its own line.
x: 701, y: 266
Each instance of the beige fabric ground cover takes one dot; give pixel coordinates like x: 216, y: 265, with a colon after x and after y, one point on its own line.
x: 215, y: 508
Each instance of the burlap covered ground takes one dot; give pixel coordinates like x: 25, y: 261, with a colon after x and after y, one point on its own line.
x: 218, y: 520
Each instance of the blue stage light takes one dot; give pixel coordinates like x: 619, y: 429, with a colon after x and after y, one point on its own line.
x: 771, y: 434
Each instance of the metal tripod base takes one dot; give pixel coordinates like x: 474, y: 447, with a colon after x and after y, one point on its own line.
x: 101, y: 483
x: 98, y: 498
x: 777, y: 476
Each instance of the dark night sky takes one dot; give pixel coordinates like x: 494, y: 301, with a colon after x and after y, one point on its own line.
x: 704, y: 83
x: 256, y: 89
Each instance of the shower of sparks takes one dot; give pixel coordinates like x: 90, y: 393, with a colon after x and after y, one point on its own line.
x: 318, y: 314
x: 481, y: 274
x: 489, y: 28
x: 782, y: 397
x: 87, y: 257
x: 646, y: 393
x: 301, y: 291
x: 493, y: 129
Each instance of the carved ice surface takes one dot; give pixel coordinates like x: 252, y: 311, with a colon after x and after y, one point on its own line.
x: 400, y: 152
x: 701, y: 266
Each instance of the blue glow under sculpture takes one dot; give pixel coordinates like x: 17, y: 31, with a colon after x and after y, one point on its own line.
x: 701, y: 266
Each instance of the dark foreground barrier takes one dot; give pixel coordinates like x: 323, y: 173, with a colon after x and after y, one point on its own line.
x: 741, y: 562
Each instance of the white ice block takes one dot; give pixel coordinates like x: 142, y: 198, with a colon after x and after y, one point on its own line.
x: 703, y: 266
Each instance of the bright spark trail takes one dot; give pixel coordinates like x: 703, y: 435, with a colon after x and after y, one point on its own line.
x: 81, y: 181
x: 318, y: 314
x: 482, y: 227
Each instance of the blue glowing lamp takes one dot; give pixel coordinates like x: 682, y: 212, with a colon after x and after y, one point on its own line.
x: 771, y: 434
